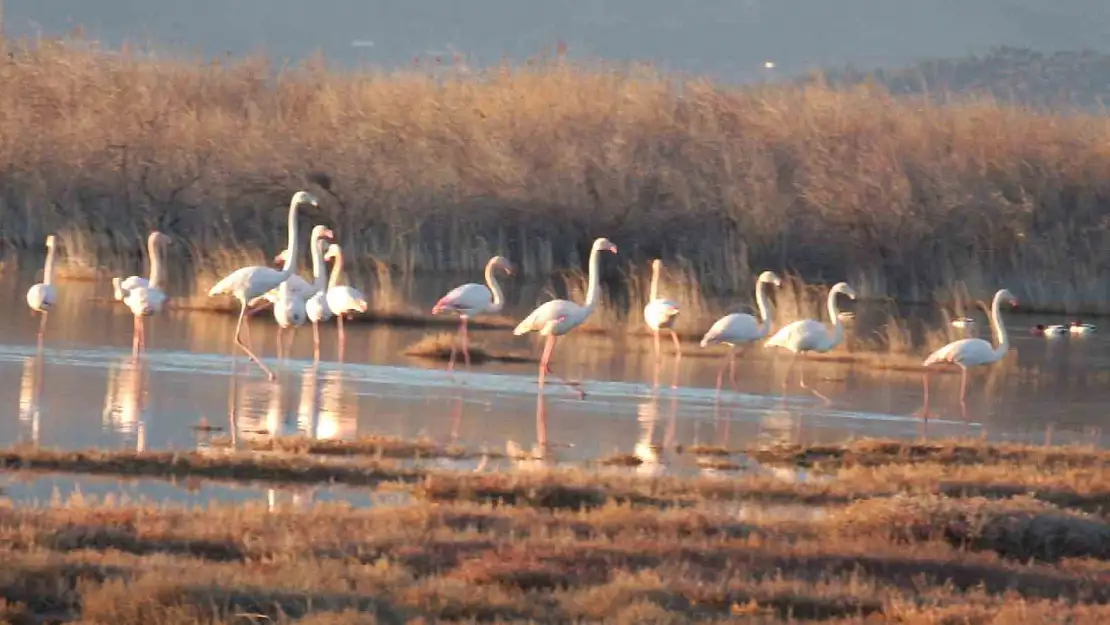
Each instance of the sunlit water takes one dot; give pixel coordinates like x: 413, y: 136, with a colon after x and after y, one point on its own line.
x: 83, y: 390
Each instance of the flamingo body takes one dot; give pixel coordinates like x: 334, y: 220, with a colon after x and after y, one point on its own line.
x: 121, y: 288
x: 289, y: 310
x: 964, y: 352
x: 316, y: 308
x: 42, y: 297
x: 804, y: 335
x: 473, y: 299
x: 1080, y: 328
x: 661, y: 313
x: 733, y: 329
x: 344, y: 299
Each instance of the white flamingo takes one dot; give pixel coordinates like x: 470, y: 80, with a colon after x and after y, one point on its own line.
x: 966, y: 353
x: 41, y: 297
x: 147, y: 297
x: 559, y: 316
x: 810, y: 335
x: 317, y: 306
x: 250, y: 282
x: 1076, y: 327
x: 742, y: 328
x: 342, y: 299
x: 121, y: 286
x: 473, y: 299
x: 661, y: 313
x: 290, y: 308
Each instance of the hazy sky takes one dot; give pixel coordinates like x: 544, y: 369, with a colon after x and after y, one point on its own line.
x: 728, y: 38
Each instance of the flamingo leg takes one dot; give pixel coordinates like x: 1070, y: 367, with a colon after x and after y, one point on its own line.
x: 802, y: 382
x: 677, y: 356
x: 545, y: 367
x: 315, y: 342
x: 925, y: 406
x: 465, y: 341
x: 135, y: 338
x: 541, y: 422
x: 292, y: 339
x: 721, y: 372
x: 732, y: 367
x: 42, y: 326
x: 963, y: 392
x: 280, y: 335
x: 658, y: 355
x: 244, y: 347
x: 342, y: 337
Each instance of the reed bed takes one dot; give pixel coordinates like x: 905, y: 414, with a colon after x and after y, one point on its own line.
x: 556, y: 547
x: 437, y: 171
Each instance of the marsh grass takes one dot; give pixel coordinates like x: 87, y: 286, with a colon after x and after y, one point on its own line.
x: 438, y: 347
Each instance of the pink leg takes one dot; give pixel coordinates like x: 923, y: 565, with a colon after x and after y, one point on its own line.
x: 465, y: 342
x: 135, y: 338
x: 925, y: 406
x: 315, y: 342
x: 721, y: 371
x: 658, y: 352
x: 541, y: 422
x: 280, y: 342
x: 454, y: 345
x: 342, y: 338
x: 244, y: 347
x: 42, y: 326
x: 732, y: 367
x: 677, y: 357
x: 963, y: 392
x: 545, y: 367
x: 802, y: 382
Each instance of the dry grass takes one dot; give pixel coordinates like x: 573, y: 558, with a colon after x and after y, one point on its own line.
x: 439, y: 170
x: 438, y: 347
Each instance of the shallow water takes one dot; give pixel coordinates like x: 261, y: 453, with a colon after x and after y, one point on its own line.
x: 82, y: 389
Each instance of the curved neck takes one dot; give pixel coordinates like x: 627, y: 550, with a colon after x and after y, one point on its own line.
x: 319, y: 272
x: 155, y: 264
x: 765, y: 310
x: 48, y: 270
x: 999, y: 329
x: 591, y: 292
x: 834, y: 315
x: 495, y: 288
x: 654, y: 281
x: 336, y: 269
x: 291, y: 259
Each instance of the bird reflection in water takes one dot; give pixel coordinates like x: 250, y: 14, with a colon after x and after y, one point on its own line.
x: 321, y: 413
x: 540, y: 456
x: 125, y: 400
x: 653, y: 458
x: 297, y: 499
x: 30, y: 396
x: 260, y: 410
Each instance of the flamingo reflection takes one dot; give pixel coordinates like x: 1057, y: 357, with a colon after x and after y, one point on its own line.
x: 260, y: 411
x: 30, y: 395
x: 125, y: 400
x: 322, y: 413
x: 652, y: 456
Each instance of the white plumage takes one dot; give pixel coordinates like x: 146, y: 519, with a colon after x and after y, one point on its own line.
x: 290, y: 306
x: 559, y: 316
x: 342, y: 299
x: 661, y: 313
x: 741, y: 328
x: 247, y: 283
x: 146, y: 297
x: 810, y: 335
x: 473, y: 299
x: 41, y: 297
x: 971, y: 352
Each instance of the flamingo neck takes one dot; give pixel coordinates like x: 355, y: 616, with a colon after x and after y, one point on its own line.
x: 154, y: 251
x: 319, y: 272
x: 495, y: 288
x: 48, y: 269
x: 291, y: 259
x: 336, y: 269
x: 838, y: 327
x: 999, y: 328
x: 654, y: 281
x: 591, y: 292
x: 765, y: 309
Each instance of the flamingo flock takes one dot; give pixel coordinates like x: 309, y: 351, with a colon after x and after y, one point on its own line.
x: 296, y: 301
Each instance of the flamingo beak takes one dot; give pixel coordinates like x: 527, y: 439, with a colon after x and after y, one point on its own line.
x: 329, y: 235
x: 613, y: 248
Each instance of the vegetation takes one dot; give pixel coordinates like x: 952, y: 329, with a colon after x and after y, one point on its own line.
x: 567, y: 546
x: 437, y: 171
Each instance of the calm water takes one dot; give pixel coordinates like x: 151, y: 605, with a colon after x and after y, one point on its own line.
x: 82, y: 389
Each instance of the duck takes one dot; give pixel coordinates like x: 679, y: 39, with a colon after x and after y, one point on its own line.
x: 1076, y: 327
x: 1049, y: 331
x: 963, y: 322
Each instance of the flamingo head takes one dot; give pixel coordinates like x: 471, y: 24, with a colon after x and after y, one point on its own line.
x: 502, y: 263
x: 769, y: 277
x: 50, y: 241
x: 843, y: 287
x: 322, y: 232
x: 332, y: 252
x: 1008, y: 296
x: 605, y: 245
x: 304, y: 197
x: 281, y: 256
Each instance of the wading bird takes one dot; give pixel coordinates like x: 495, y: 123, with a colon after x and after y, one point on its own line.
x: 966, y: 353
x: 1049, y: 331
x: 342, y: 299
x: 290, y: 308
x: 473, y: 299
x: 148, y: 297
x: 247, y: 283
x: 661, y: 313
x: 1080, y: 328
x: 317, y: 306
x: 41, y: 297
x: 742, y: 328
x: 559, y: 316
x: 810, y: 335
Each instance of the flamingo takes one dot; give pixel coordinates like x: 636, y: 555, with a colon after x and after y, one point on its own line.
x: 742, y: 328
x: 342, y: 299
x: 41, y: 297
x: 559, y: 316
x: 966, y: 353
x: 810, y: 335
x: 145, y: 297
x: 963, y: 323
x: 661, y: 313
x: 246, y: 283
x: 1080, y: 328
x: 473, y: 299
x: 290, y: 307
x: 317, y: 306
